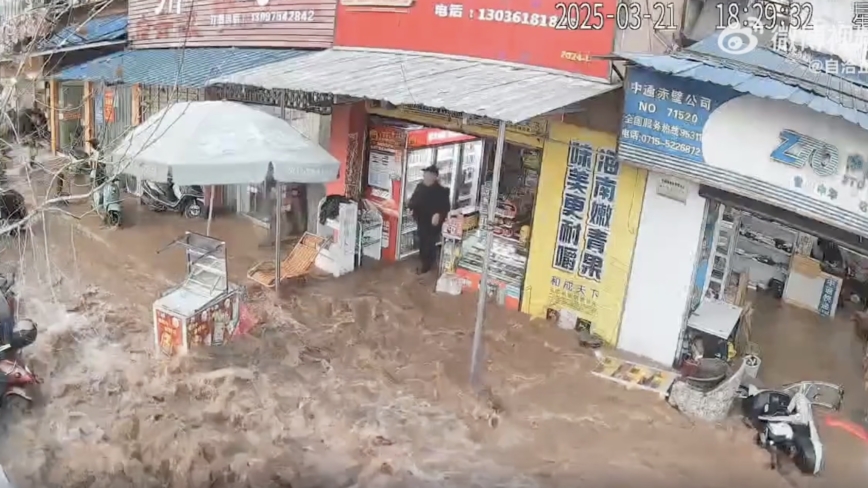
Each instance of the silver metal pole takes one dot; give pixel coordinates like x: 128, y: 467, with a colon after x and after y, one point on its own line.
x: 476, y: 356
x: 278, y: 204
x: 210, y: 212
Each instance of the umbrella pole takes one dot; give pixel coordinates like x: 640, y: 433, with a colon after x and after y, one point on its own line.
x: 277, y: 206
x: 210, y: 212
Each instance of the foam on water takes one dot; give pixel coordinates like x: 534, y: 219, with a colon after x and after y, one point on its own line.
x: 114, y: 415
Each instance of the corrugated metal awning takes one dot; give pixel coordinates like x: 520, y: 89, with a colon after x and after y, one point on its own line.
x: 189, y: 68
x: 765, y: 73
x: 488, y: 89
x: 98, y: 32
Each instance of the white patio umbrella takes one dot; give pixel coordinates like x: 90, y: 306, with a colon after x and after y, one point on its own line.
x: 222, y: 143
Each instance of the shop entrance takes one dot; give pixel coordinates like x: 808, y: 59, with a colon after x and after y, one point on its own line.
x: 70, y: 129
x: 799, y: 282
x: 398, y: 151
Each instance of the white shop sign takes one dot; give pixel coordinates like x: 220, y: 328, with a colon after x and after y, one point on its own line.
x: 793, y: 147
x: 674, y: 188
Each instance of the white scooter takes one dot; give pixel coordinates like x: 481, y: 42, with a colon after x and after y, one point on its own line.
x: 784, y: 420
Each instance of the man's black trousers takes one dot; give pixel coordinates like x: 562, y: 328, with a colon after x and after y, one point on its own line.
x: 427, y: 236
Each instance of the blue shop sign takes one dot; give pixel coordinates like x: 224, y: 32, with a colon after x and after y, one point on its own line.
x: 827, y: 298
x: 666, y: 115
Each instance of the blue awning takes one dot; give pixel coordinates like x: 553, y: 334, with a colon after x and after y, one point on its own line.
x: 189, y: 67
x: 98, y: 32
x: 765, y: 73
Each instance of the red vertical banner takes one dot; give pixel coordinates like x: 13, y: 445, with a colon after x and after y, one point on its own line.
x: 108, y: 106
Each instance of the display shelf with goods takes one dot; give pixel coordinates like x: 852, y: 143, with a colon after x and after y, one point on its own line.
x: 511, y: 225
x: 203, y: 308
x: 818, y: 275
x: 763, y: 250
x: 398, y: 154
x: 371, y: 233
x: 466, y: 185
x: 458, y: 224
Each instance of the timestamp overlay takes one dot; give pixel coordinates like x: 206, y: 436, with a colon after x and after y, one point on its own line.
x: 768, y: 15
x: 585, y: 16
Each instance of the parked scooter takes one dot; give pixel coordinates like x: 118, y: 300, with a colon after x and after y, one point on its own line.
x: 15, y: 335
x: 18, y: 379
x: 106, y: 200
x: 187, y: 200
x: 81, y: 162
x: 784, y: 421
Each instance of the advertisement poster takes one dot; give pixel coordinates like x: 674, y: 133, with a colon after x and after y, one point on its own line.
x: 543, y: 33
x: 580, y: 256
x: 168, y: 331
x: 200, y: 328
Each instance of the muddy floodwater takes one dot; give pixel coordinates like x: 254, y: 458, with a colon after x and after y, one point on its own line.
x: 359, y: 382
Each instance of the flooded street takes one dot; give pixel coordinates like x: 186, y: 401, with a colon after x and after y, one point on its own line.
x: 360, y: 381
x: 348, y: 384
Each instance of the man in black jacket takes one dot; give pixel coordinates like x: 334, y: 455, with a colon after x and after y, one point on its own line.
x: 429, y: 206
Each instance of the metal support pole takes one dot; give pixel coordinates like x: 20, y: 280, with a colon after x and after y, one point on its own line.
x: 210, y: 212
x: 476, y: 356
x: 278, y: 204
x: 283, y: 104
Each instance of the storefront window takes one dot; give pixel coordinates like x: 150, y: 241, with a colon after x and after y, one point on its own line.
x: 260, y: 206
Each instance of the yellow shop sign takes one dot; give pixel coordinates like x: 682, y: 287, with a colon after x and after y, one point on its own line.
x: 580, y: 255
x: 530, y: 133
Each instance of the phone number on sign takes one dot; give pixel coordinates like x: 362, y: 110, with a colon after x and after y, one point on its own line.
x: 668, y: 144
x: 513, y: 17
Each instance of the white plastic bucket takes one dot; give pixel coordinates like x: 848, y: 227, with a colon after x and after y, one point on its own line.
x: 751, y: 365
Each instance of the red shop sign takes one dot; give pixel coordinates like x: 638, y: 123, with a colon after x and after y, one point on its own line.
x: 433, y: 137
x: 108, y: 105
x: 545, y: 33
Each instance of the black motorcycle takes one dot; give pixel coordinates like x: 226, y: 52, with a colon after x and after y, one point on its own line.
x: 186, y: 200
